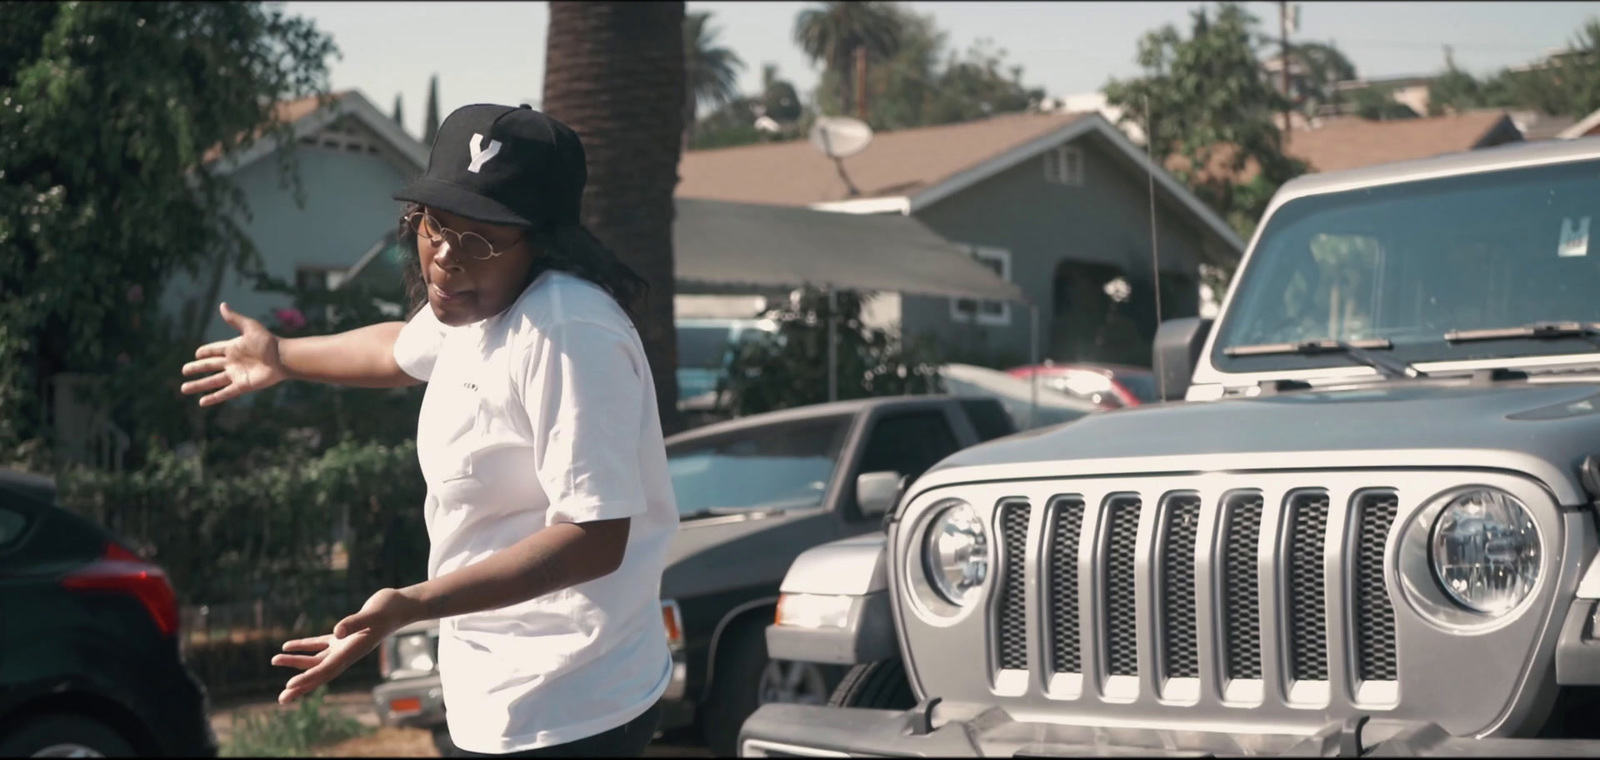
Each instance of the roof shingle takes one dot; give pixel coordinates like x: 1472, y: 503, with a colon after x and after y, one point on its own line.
x: 284, y: 112
x: 1351, y: 142
x: 1348, y: 142
x: 897, y: 163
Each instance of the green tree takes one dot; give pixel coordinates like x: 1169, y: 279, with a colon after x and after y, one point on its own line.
x: 1455, y: 89
x: 926, y: 84
x: 790, y: 368
x: 110, y: 111
x: 1568, y: 85
x: 1325, y: 66
x: 734, y: 123
x: 430, y: 119
x: 614, y: 72
x: 731, y: 125
x: 1205, y: 103
x: 712, y: 70
x: 979, y: 85
x: 902, y: 90
x: 779, y: 99
x: 1378, y: 104
x: 831, y: 32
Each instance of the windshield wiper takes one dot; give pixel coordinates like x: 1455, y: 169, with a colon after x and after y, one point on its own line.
x: 1536, y: 330
x: 1355, y: 349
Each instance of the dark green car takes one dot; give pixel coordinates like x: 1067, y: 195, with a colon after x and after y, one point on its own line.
x: 89, y: 657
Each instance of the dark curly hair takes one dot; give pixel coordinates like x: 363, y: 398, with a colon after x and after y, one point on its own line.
x: 570, y: 249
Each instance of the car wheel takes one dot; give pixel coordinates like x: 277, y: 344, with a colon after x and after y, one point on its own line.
x: 745, y: 679
x: 64, y: 736
x: 878, y: 685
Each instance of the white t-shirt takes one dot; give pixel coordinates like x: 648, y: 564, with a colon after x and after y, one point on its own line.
x: 544, y: 414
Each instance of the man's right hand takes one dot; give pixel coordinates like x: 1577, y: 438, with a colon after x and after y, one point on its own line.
x: 240, y: 365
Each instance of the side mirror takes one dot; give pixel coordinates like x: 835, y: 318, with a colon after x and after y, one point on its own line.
x: 1177, y: 351
x: 876, y: 492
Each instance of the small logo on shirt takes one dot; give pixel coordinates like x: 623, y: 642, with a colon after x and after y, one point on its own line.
x: 470, y: 386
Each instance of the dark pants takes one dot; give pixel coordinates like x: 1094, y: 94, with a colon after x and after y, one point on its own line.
x: 626, y: 740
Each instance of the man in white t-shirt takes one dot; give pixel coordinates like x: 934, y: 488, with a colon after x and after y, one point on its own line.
x: 549, y: 507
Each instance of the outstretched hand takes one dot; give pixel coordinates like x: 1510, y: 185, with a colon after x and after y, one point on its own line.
x: 323, y: 658
x: 240, y: 365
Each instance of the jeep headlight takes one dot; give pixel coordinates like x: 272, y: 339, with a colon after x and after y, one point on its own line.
x: 1485, y: 551
x: 955, y: 554
x: 414, y: 652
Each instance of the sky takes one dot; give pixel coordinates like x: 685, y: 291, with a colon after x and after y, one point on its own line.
x: 494, y: 51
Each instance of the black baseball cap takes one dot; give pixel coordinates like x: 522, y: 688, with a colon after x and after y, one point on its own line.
x: 503, y: 165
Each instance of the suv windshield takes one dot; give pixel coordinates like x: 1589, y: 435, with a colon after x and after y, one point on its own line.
x: 785, y: 466
x: 1412, y: 261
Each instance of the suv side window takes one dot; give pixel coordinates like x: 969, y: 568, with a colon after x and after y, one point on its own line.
x: 908, y: 443
x: 12, y: 524
x: 988, y: 418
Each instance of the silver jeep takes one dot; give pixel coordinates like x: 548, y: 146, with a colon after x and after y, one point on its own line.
x: 1374, y: 537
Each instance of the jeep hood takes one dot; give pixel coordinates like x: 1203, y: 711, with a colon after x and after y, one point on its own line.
x: 1559, y: 423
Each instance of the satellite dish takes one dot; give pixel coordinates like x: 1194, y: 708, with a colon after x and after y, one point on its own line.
x: 840, y: 136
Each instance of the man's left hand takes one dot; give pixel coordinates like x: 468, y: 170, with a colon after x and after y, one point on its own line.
x: 384, y: 613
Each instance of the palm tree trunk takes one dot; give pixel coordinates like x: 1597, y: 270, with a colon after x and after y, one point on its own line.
x: 614, y: 72
x: 688, y: 118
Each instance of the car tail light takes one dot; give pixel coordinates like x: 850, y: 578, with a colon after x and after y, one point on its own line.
x: 122, y: 571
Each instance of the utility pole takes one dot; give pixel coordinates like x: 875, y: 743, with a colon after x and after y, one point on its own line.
x: 861, y: 82
x: 1283, y: 24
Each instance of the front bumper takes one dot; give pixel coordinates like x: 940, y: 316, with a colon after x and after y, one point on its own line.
x: 781, y: 730
x: 418, y: 702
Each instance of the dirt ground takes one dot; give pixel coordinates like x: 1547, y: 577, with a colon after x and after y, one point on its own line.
x: 384, y: 741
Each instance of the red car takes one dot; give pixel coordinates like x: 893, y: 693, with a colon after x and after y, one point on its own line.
x: 1109, y: 386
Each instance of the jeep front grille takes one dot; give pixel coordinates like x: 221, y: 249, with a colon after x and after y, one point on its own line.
x: 1013, y: 633
x: 1121, y: 632
x: 1241, y: 609
x: 1298, y: 550
x: 1180, y: 521
x: 1061, y: 580
x: 1375, y: 644
x: 1308, y: 605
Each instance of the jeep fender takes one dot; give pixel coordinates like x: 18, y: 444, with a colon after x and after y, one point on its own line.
x: 845, y: 581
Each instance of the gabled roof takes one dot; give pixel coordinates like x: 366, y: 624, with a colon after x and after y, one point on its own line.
x: 1587, y: 126
x: 1348, y: 142
x: 311, y: 115
x: 1537, y: 125
x: 897, y: 163
x: 1351, y: 142
x: 909, y: 169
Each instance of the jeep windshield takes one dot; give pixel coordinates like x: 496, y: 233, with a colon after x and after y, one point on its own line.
x: 771, y: 467
x: 1415, y: 265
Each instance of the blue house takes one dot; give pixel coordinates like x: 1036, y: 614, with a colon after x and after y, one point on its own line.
x: 1064, y: 205
x: 351, y: 159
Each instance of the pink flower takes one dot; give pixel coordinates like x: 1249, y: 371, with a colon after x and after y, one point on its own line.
x: 291, y: 319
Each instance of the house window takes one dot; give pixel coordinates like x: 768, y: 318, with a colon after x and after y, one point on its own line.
x: 993, y: 313
x: 1064, y: 166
